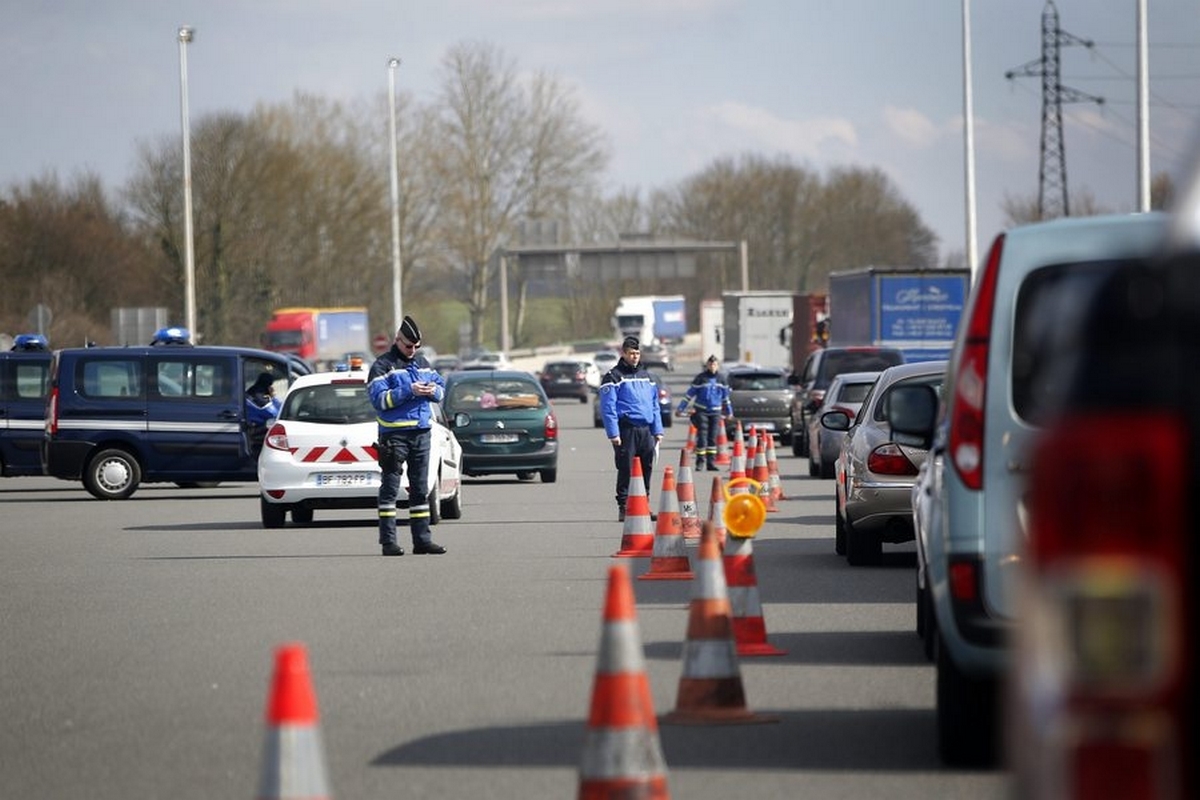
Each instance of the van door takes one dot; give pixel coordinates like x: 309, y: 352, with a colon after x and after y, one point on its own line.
x: 24, y: 381
x: 194, y: 417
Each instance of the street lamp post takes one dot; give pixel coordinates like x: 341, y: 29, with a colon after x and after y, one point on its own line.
x: 186, y: 33
x: 393, y: 63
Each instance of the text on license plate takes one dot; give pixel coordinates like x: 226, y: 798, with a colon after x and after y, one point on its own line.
x: 499, y: 438
x: 345, y: 479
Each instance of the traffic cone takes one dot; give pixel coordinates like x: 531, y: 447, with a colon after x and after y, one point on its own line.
x: 293, y: 760
x: 737, y: 464
x: 710, y: 688
x: 685, y: 488
x: 691, y: 439
x: 762, y: 473
x: 637, y: 539
x: 722, y: 445
x: 716, y: 511
x: 749, y: 627
x: 669, y: 561
x: 751, y: 449
x: 773, y: 478
x: 622, y: 755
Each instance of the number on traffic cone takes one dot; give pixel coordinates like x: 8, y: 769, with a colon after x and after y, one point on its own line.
x: 293, y: 763
x: 622, y: 755
x: 710, y: 688
x: 685, y: 488
x: 670, y: 560
x: 637, y: 538
x: 749, y: 626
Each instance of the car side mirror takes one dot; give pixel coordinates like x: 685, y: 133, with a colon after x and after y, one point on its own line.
x: 835, y: 421
x: 912, y: 414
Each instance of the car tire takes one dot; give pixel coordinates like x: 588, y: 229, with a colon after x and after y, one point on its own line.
x: 550, y: 475
x: 273, y: 514
x: 814, y: 469
x: 967, y: 715
x: 435, y: 507
x: 583, y: 399
x: 929, y: 634
x: 862, y: 549
x: 802, y: 450
x: 302, y: 515
x: 667, y: 420
x: 112, y: 474
x: 826, y: 470
x: 797, y: 447
x: 452, y: 507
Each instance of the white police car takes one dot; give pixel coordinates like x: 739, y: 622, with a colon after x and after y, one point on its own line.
x: 320, y: 453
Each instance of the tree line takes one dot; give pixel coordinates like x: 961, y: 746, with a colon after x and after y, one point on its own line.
x: 292, y: 207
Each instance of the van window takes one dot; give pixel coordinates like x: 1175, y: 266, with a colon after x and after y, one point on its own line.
x: 32, y: 380
x: 192, y: 379
x: 110, y: 378
x: 253, y: 367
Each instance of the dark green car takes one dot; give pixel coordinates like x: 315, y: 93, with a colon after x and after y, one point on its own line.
x: 504, y: 422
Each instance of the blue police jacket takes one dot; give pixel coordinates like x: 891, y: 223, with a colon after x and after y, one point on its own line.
x: 262, y: 409
x: 629, y: 394
x: 389, y: 385
x: 708, y: 394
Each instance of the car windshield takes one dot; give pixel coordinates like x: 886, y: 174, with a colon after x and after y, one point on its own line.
x: 757, y: 381
x: 329, y: 404
x: 491, y: 393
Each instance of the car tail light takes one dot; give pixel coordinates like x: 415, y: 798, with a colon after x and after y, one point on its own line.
x: 889, y: 459
x: 276, y: 438
x: 816, y: 397
x: 52, y: 412
x: 1102, y: 661
x: 970, y: 382
x: 551, y: 427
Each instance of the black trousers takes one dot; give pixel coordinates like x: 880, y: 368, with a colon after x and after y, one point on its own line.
x: 636, y: 442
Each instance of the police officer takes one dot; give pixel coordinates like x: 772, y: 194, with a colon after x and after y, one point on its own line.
x: 632, y: 420
x: 401, y: 386
x: 708, y: 397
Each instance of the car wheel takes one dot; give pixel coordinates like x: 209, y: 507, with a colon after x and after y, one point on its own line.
x: 112, y: 475
x: 583, y: 399
x: 862, y: 549
x: 803, y: 448
x: 814, y: 469
x: 452, y: 508
x: 667, y: 420
x: 797, y: 446
x: 967, y: 715
x: 929, y: 635
x: 826, y: 469
x: 273, y: 514
x: 435, y: 507
x: 839, y: 531
x: 302, y: 515
x: 549, y: 475
x: 526, y: 476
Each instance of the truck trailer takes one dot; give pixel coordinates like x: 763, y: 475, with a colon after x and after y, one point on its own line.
x: 914, y: 310
x: 321, y: 336
x: 654, y: 319
x: 757, y: 327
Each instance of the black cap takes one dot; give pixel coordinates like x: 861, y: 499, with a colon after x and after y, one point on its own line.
x: 712, y: 360
x: 409, y: 329
x: 263, y: 382
x: 631, y: 343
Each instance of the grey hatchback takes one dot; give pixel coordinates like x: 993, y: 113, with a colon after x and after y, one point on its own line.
x: 761, y: 397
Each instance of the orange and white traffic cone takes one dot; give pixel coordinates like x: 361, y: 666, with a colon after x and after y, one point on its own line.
x: 737, y: 464
x: 749, y: 626
x: 691, y: 439
x: 710, y: 689
x: 722, y: 445
x: 293, y: 763
x: 716, y: 511
x: 669, y: 561
x: 773, y: 478
x: 685, y: 488
x: 637, y: 538
x: 762, y: 474
x: 622, y: 755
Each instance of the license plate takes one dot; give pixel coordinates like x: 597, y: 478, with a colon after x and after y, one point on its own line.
x: 499, y: 438
x: 563, y: 380
x: 764, y: 426
x: 345, y: 479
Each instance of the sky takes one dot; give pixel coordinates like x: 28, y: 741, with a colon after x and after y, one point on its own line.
x: 673, y: 84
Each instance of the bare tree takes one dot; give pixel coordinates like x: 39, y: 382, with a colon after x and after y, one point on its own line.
x: 508, y: 151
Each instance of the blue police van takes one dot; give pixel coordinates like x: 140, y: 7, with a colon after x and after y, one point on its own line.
x: 117, y: 417
x: 24, y: 382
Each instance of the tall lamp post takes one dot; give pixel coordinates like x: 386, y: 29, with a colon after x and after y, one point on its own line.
x: 186, y: 33
x: 393, y: 63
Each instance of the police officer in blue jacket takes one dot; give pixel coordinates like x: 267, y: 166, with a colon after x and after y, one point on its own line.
x: 632, y: 420
x: 708, y: 397
x: 401, y: 386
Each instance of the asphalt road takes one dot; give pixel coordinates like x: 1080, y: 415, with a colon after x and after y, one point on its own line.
x: 137, y: 645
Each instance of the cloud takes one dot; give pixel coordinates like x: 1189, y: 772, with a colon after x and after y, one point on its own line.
x: 911, y: 126
x: 760, y: 129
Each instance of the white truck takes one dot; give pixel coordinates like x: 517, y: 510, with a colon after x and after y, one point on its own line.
x: 654, y: 319
x: 757, y: 328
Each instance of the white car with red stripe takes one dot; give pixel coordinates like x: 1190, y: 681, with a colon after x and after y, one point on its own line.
x: 320, y: 453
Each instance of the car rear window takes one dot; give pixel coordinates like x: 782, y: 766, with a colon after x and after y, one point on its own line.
x: 853, y: 392
x: 757, y: 381
x: 1046, y: 320
x: 490, y: 393
x: 330, y: 404
x: 568, y: 369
